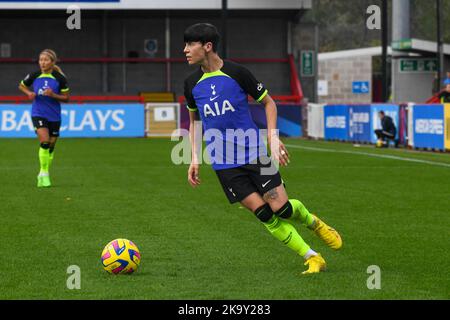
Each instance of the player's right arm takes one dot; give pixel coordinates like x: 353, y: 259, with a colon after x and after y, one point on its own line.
x: 26, y: 83
x: 194, y: 167
x: 194, y: 170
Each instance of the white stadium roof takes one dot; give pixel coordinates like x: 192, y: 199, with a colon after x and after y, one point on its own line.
x: 411, y: 47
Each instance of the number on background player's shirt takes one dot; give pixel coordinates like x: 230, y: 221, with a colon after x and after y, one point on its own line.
x: 43, y: 106
x: 221, y: 98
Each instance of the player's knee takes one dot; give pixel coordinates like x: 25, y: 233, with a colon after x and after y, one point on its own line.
x: 45, y: 145
x: 264, y: 213
x: 285, y: 211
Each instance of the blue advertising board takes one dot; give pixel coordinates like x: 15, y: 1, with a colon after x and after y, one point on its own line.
x: 359, y: 123
x: 336, y: 121
x: 78, y: 120
x: 391, y: 110
x: 288, y: 121
x: 428, y: 122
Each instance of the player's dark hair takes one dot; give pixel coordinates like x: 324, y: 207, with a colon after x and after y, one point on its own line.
x: 381, y: 112
x: 203, y: 33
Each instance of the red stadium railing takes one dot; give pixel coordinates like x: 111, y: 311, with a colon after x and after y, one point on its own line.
x: 295, y: 85
x: 140, y: 60
x: 84, y: 99
x: 79, y: 99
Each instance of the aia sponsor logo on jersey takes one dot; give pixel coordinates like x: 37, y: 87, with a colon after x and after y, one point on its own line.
x: 45, y: 87
x: 217, y: 110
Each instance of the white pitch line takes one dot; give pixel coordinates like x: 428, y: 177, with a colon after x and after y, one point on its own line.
x: 371, y: 155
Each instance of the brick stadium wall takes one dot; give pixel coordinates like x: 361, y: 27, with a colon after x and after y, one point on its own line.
x: 340, y: 73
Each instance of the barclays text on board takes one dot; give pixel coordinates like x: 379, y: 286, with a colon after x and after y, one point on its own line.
x: 78, y: 120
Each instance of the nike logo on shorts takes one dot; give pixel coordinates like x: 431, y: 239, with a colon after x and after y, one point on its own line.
x: 265, y: 184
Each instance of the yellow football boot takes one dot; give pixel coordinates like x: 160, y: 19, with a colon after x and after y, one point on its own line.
x: 315, y: 264
x: 328, y: 235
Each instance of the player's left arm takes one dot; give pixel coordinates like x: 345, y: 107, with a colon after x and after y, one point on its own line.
x: 258, y: 91
x: 63, y: 96
x: 277, y: 147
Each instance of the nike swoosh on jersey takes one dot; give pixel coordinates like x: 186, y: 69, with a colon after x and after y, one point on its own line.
x: 212, y: 99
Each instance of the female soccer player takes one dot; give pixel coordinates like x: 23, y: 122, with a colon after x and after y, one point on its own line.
x: 49, y: 88
x: 217, y: 92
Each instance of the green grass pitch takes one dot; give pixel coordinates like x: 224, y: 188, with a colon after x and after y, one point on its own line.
x: 391, y: 213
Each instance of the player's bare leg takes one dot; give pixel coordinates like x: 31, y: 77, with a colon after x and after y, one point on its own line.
x: 253, y: 201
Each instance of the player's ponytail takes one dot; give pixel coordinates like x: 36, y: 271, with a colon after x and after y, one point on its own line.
x: 57, y: 68
x: 52, y: 55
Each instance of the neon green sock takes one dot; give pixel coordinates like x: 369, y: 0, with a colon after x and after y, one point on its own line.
x: 50, y: 158
x: 300, y: 212
x: 44, y: 160
x: 286, y: 233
